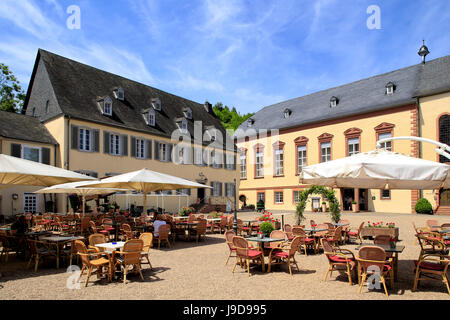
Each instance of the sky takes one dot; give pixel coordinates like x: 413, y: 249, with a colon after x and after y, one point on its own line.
x: 246, y: 54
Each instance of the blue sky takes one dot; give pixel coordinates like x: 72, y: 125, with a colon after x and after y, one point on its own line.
x: 247, y: 54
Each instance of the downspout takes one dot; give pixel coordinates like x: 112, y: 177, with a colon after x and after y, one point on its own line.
x: 419, y: 134
x: 67, y: 155
x: 54, y: 194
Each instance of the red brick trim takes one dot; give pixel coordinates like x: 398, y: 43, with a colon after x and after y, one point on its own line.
x: 324, y: 138
x: 300, y: 142
x: 351, y: 134
x: 258, y: 148
x: 385, y: 128
x: 274, y: 191
x: 278, y: 145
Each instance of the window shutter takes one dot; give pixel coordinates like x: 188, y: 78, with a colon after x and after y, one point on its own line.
x: 234, y: 164
x: 75, y: 137
x: 124, y: 145
x: 16, y: 150
x: 220, y: 189
x: 156, y: 150
x: 211, y: 159
x: 133, y: 147
x: 148, y: 149
x: 96, y: 141
x: 212, y: 190
x: 46, y: 156
x: 188, y: 191
x: 226, y: 189
x: 169, y: 150
x: 105, y: 142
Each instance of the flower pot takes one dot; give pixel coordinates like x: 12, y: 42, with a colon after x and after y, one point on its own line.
x: 354, y: 207
x: 324, y: 208
x: 372, y: 232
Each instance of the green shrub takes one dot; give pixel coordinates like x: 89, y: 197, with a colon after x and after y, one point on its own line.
x: 423, y: 206
x: 251, y: 207
x: 266, y: 228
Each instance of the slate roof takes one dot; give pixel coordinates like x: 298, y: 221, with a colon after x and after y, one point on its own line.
x: 78, y: 86
x: 358, y: 97
x: 22, y: 127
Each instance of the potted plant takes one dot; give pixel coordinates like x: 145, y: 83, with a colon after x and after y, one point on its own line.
x: 354, y: 206
x: 267, y: 217
x: 380, y: 228
x: 423, y: 206
x: 324, y: 206
x: 185, y: 211
x: 266, y: 228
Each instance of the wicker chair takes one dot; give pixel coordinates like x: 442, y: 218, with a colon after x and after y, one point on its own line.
x: 229, y: 234
x: 89, y: 264
x: 370, y: 259
x: 39, y: 250
x: 163, y: 235
x: 84, y: 226
x: 223, y: 224
x: 230, y: 222
x: 285, y: 254
x: 338, y: 258
x: 95, y: 239
x: 431, y: 266
x: 356, y: 234
x: 95, y: 229
x: 345, y: 229
x: 431, y: 244
x: 431, y: 224
x: 384, y: 239
x: 277, y: 245
x: 243, y: 252
x: 130, y: 255
x: 305, y: 242
x: 199, y: 231
x: 147, y: 239
x: 191, y: 218
x: 336, y: 237
x: 288, y: 231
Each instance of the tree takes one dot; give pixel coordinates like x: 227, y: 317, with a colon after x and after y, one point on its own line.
x: 231, y: 119
x: 12, y: 96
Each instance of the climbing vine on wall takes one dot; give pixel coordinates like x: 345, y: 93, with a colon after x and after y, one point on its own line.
x: 335, y: 210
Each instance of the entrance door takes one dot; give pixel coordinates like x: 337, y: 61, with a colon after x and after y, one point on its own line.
x: 444, y: 197
x: 201, y: 195
x: 348, y: 197
x: 363, y: 199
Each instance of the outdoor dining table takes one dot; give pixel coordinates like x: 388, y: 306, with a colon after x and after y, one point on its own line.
x: 395, y: 249
x: 59, y: 241
x: 444, y: 231
x: 115, y: 225
x: 340, y: 224
x: 110, y: 248
x: 37, y: 234
x: 262, y: 241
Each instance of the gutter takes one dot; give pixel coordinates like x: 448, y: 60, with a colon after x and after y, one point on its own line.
x: 67, y: 143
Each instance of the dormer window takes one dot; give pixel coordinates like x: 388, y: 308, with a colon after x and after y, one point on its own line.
x: 184, y: 126
x: 250, y: 122
x: 287, y: 113
x: 119, y: 93
x: 390, y: 88
x: 334, y: 102
x: 151, y: 120
x: 156, y: 104
x: 107, y: 106
x: 187, y: 113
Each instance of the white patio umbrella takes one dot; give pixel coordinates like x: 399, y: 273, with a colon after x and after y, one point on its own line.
x: 17, y: 171
x: 378, y: 169
x: 81, y: 188
x: 146, y: 181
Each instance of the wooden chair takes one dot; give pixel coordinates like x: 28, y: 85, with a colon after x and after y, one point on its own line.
x: 39, y: 250
x: 431, y: 225
x: 230, y: 223
x: 282, y: 256
x: 229, y: 234
x: 243, y: 252
x: 386, y: 240
x: 372, y: 260
x: 89, y: 264
x: 356, y: 234
x: 338, y: 258
x: 95, y: 229
x: 242, y: 229
x: 130, y: 255
x: 277, y: 245
x: 305, y: 241
x: 431, y: 266
x: 223, y: 224
x: 163, y: 232
x: 288, y: 230
x: 95, y: 239
x: 199, y: 231
x: 336, y: 237
x: 147, y: 238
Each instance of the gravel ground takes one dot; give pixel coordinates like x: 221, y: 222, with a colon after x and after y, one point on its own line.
x: 198, y: 271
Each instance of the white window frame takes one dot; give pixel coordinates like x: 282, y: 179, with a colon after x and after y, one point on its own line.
x: 301, y: 158
x: 229, y: 190
x: 352, y: 142
x: 325, y: 156
x: 188, y: 113
x: 243, y: 166
x: 259, y: 163
x: 390, y: 90
x: 151, y: 117
x: 115, y: 143
x: 295, y: 198
x: 22, y: 151
x: 385, y: 145
x: 108, y: 111
x: 263, y: 198
x: 35, y: 200
x: 184, y: 126
x: 163, y: 152
x: 141, y: 147
x: 198, y: 157
x: 279, y: 162
x: 120, y: 94
x: 82, y: 139
x: 279, y: 199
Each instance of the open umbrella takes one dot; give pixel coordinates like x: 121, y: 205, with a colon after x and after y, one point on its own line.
x: 17, y: 171
x: 81, y: 188
x: 146, y: 181
x: 378, y: 169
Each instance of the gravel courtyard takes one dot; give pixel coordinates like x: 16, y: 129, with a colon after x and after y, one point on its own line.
x: 198, y: 271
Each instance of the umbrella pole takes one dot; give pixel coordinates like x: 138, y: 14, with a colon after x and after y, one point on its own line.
x: 145, y: 202
x: 84, y: 205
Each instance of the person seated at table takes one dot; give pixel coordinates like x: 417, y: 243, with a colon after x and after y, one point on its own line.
x: 20, y: 226
x: 158, y: 222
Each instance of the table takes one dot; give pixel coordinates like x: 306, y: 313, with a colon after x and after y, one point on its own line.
x: 58, y: 241
x: 262, y: 241
x: 110, y: 249
x: 37, y: 234
x: 444, y: 231
x: 340, y: 224
x: 388, y: 248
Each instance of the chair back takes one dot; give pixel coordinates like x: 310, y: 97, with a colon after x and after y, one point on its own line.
x: 230, y: 221
x: 431, y: 223
x: 277, y: 234
x: 126, y: 227
x: 135, y: 247
x: 96, y: 238
x: 93, y: 226
x: 298, y: 232
x: 229, y: 234
x: 382, y: 239
x: 147, y: 238
x: 337, y: 234
x: 322, y: 233
x: 81, y: 248
x: 295, y: 244
x: 223, y: 222
x: 191, y: 218
x: 328, y: 249
x: 164, y: 232
x: 376, y: 255
x: 445, y: 226
x: 312, y: 223
x: 107, y: 220
x: 202, y: 216
x: 241, y: 246
x: 201, y: 227
x: 287, y: 228
x: 85, y: 223
x: 360, y: 227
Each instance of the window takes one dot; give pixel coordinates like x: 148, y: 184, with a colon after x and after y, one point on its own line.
x: 156, y: 104
x: 325, y: 151
x: 261, y: 196
x: 114, y: 141
x: 295, y: 196
x: 229, y: 190
x: 230, y: 161
x: 287, y: 113
x: 259, y: 165
x: 243, y: 166
x: 120, y: 94
x: 385, y: 145
x: 301, y: 157
x: 198, y: 156
x: 107, y: 106
x: 250, y: 122
x: 353, y: 146
x: 184, y: 126
x: 30, y: 203
x: 163, y: 152
x: 140, y: 148
x: 444, y: 134
x: 279, y: 162
x: 188, y: 113
x: 85, y: 139
x: 217, y: 189
x: 385, y: 194
x: 151, y: 117
x: 390, y: 87
x: 279, y: 197
x: 333, y: 102
x: 34, y: 112
x: 31, y: 153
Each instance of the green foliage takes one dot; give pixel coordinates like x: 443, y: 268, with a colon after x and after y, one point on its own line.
x: 335, y: 210
x: 185, y: 211
x: 266, y: 228
x: 231, y: 119
x: 12, y: 95
x: 423, y: 206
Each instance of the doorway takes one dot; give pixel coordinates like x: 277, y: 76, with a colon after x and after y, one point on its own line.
x: 201, y: 195
x: 348, y: 196
x: 363, y: 199
x: 444, y: 197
